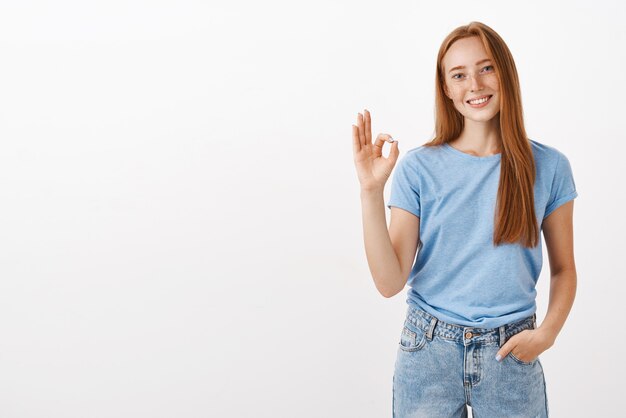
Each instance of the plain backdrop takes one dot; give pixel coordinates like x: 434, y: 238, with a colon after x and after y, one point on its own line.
x: 180, y: 229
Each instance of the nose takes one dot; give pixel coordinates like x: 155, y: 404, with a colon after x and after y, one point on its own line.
x: 476, y: 84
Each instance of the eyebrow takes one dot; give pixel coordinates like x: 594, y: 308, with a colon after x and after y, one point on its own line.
x: 463, y: 66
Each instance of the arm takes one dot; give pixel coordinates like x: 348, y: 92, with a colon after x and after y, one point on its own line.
x: 390, y: 253
x: 559, y: 236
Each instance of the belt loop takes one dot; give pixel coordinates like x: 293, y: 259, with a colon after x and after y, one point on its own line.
x: 431, y: 327
x: 502, y: 335
x: 535, y: 320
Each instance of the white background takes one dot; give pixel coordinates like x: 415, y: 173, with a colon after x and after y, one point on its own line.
x: 180, y: 214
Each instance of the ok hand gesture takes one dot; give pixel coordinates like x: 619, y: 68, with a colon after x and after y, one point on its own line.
x: 372, y: 168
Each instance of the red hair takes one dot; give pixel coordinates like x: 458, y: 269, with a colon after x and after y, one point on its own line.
x: 514, y: 218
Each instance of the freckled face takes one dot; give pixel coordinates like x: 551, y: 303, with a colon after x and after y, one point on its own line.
x: 475, y: 80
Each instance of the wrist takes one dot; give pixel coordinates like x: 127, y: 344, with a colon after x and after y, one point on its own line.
x: 548, y: 334
x: 369, y: 191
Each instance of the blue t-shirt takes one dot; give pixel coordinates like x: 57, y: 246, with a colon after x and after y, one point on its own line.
x: 459, y: 276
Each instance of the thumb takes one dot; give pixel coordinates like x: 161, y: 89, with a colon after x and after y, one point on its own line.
x: 394, y: 152
x: 505, y: 349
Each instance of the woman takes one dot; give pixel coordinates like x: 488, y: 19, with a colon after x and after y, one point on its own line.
x: 471, y: 200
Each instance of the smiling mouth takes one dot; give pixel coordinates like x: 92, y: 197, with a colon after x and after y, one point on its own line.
x: 481, y: 102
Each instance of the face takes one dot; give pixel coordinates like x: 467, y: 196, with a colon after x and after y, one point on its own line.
x: 477, y: 79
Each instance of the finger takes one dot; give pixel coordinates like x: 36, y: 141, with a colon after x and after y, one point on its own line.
x: 356, y: 143
x: 378, y: 145
x: 505, y: 349
x: 394, y: 153
x: 380, y: 141
x: 368, y: 126
x: 361, y: 126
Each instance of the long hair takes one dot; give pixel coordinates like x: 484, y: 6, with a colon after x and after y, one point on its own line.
x: 514, y: 218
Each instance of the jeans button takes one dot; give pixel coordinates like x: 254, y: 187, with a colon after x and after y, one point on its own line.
x: 468, y: 335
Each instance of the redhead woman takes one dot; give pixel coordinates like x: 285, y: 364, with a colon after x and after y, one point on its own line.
x: 467, y: 212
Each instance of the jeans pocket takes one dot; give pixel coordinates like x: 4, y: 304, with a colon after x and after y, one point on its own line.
x: 516, y: 359
x: 412, y: 338
x: 525, y: 363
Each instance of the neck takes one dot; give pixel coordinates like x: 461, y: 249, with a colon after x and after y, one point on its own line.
x: 480, y: 138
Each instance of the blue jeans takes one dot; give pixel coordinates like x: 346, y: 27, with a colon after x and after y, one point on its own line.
x: 441, y: 367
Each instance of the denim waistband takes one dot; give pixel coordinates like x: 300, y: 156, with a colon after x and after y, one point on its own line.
x: 432, y: 325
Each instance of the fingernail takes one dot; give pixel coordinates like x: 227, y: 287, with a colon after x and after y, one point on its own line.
x: 498, y: 357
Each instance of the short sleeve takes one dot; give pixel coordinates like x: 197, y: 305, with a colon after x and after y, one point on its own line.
x: 563, y: 186
x: 405, y: 192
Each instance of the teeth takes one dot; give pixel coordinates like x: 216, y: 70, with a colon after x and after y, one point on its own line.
x: 479, y: 101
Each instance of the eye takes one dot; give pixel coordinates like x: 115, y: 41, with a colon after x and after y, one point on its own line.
x: 455, y: 75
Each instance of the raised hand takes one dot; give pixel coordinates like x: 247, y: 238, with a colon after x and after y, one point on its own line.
x: 372, y: 168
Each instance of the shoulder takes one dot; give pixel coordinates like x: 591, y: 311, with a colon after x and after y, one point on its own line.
x: 416, y: 152
x: 421, y: 154
x: 544, y: 154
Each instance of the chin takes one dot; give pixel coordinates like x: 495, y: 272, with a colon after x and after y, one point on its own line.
x: 481, y: 117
